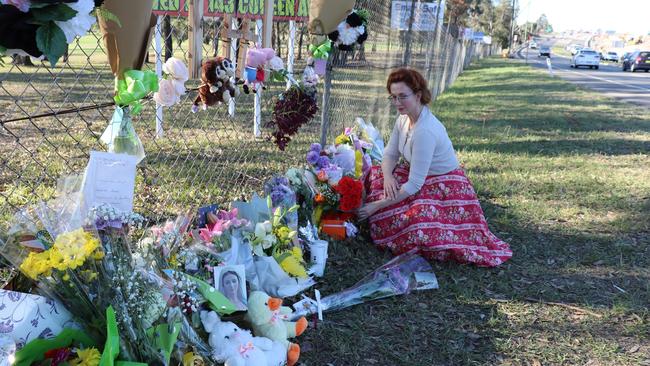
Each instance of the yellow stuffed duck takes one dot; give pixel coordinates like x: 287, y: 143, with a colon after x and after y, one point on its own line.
x: 270, y: 319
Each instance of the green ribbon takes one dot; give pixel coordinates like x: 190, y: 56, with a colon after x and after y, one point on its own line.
x: 112, y: 345
x: 35, y: 350
x: 322, y: 51
x: 135, y: 86
x: 163, y: 339
x: 217, y: 301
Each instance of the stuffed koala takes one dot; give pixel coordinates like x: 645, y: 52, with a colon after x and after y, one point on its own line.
x: 218, y: 85
x: 350, y: 31
x: 237, y: 347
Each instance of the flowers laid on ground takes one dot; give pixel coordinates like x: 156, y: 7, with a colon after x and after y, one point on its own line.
x: 147, y: 296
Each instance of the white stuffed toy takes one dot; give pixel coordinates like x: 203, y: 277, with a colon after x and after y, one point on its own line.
x: 237, y: 347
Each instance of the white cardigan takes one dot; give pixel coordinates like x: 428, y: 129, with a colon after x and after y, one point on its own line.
x: 426, y: 147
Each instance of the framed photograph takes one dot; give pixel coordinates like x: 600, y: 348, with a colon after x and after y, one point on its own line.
x: 231, y: 282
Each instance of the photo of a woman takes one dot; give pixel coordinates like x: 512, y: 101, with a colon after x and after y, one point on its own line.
x: 233, y: 285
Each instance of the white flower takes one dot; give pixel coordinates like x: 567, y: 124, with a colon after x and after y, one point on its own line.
x: 22, y: 5
x: 276, y: 63
x: 81, y: 23
x: 176, y: 69
x: 166, y: 95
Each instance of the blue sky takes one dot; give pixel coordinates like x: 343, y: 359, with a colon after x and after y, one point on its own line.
x: 620, y: 15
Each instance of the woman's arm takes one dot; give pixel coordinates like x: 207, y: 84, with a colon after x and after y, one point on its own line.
x: 423, y: 146
x: 391, y: 152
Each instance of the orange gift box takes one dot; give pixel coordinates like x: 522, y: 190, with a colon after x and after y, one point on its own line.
x: 334, y: 228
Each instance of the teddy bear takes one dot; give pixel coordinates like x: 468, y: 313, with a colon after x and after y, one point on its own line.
x: 269, y: 319
x: 256, y: 59
x: 237, y: 347
x: 350, y: 31
x: 218, y: 85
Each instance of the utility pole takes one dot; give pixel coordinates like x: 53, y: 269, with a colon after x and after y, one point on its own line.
x: 512, y: 24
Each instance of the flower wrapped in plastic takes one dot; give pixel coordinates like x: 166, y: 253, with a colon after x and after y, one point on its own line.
x: 401, y: 275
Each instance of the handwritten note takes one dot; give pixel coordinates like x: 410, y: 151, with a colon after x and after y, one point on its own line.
x: 109, y: 179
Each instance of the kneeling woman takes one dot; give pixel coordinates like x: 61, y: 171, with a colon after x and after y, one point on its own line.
x: 426, y: 201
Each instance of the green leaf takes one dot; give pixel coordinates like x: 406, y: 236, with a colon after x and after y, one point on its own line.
x: 58, y: 12
x: 51, y: 41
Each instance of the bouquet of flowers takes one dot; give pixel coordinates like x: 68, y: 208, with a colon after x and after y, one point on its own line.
x: 293, y: 108
x: 282, y: 195
x: 401, y: 275
x: 275, y: 238
x: 332, y: 172
x: 44, y: 28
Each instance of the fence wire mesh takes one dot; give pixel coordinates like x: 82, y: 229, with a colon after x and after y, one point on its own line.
x: 205, y: 157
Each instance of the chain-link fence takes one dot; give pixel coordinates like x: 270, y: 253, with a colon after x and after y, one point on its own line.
x: 211, y: 156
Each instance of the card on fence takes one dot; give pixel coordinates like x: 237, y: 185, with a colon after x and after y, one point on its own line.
x: 109, y: 179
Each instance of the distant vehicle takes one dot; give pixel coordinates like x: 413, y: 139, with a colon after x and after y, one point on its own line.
x: 533, y: 45
x: 625, y: 55
x: 544, y: 51
x: 610, y: 56
x: 585, y: 57
x: 575, y: 48
x: 638, y: 60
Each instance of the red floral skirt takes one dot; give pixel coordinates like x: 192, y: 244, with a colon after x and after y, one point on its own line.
x: 444, y: 220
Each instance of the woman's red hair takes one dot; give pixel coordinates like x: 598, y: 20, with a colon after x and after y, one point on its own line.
x: 413, y: 79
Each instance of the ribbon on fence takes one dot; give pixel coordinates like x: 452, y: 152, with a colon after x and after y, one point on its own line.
x: 136, y: 85
x: 321, y: 51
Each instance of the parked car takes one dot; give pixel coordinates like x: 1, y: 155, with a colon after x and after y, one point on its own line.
x: 533, y: 45
x: 586, y: 57
x: 610, y: 56
x: 575, y: 48
x: 625, y: 55
x: 544, y: 51
x: 638, y: 60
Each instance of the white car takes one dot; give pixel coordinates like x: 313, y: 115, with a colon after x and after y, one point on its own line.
x: 585, y: 57
x: 610, y: 56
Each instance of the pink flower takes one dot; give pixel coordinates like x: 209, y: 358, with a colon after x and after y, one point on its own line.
x: 22, y: 5
x: 166, y: 95
x: 178, y: 72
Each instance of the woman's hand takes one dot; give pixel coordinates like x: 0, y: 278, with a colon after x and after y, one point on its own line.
x: 391, y: 187
x: 367, y: 210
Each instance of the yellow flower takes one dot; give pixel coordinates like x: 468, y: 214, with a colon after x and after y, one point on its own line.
x: 35, y: 265
x: 291, y: 262
x: 342, y: 139
x: 66, y: 277
x: 87, y: 357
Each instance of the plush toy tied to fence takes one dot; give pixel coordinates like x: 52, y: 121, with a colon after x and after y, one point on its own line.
x: 256, y: 60
x: 218, y: 84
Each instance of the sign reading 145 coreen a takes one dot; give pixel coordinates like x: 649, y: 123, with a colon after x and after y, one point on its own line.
x: 282, y: 9
x: 424, y: 15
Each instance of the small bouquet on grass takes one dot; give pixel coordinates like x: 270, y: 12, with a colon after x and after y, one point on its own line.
x: 399, y: 276
x: 276, y: 239
x: 333, y: 174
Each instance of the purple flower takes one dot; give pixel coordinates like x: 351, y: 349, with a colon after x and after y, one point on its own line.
x: 323, y: 162
x: 276, y: 197
x: 312, y: 157
x: 315, y: 147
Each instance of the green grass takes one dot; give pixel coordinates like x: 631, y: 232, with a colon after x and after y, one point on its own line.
x: 563, y: 175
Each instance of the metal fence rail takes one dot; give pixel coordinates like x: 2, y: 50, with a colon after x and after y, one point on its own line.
x: 210, y: 156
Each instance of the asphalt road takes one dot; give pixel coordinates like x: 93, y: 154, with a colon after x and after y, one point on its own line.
x: 608, y: 79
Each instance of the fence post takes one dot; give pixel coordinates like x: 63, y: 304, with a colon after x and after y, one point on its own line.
x: 407, y: 52
x: 195, y: 35
x: 290, y: 51
x: 158, y: 48
x: 232, y: 53
x: 268, y: 23
x: 257, y: 118
x: 325, y: 113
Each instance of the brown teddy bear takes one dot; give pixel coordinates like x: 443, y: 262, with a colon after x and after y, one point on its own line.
x: 218, y: 85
